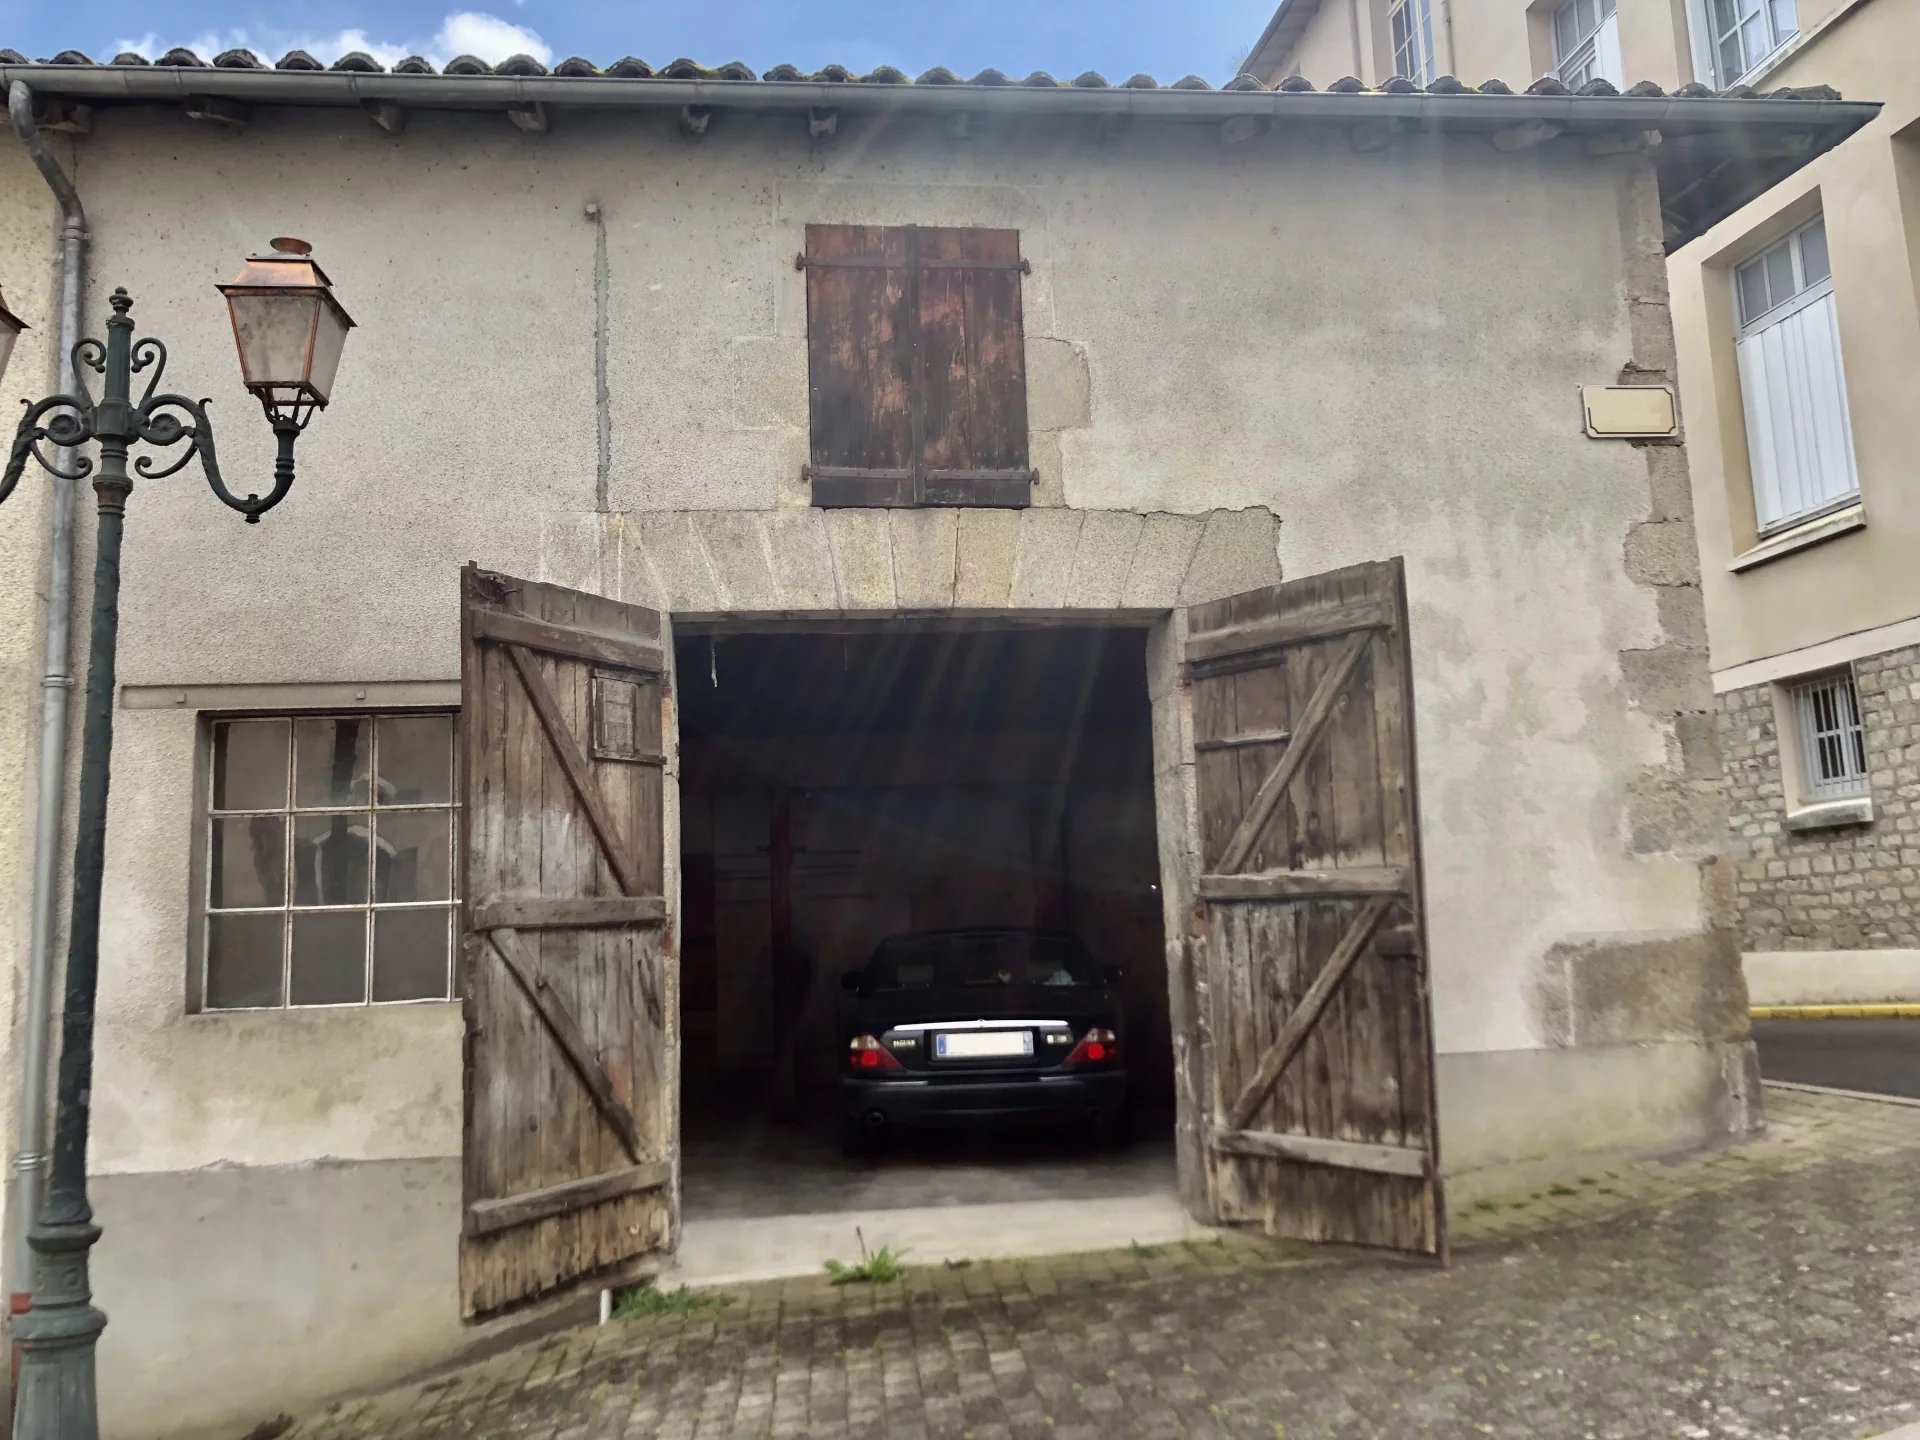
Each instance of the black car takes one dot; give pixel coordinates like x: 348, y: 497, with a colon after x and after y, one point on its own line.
x: 954, y: 1026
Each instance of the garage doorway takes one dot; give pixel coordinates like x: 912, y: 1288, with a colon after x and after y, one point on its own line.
x: 866, y: 779
x: 840, y: 786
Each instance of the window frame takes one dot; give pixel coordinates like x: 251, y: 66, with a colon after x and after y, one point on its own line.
x: 1811, y: 734
x: 1707, y: 26
x: 1418, y: 45
x: 1583, y: 56
x: 201, y: 850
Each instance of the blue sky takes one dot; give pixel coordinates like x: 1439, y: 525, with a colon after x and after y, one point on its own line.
x: 1065, y: 37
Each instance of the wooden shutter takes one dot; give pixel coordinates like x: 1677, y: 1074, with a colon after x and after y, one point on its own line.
x: 1309, y: 927
x: 567, y: 956
x: 917, y: 366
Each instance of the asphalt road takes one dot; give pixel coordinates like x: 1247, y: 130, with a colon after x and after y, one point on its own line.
x: 1880, y: 1056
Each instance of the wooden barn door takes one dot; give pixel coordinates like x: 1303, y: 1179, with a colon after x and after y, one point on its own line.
x: 1308, y: 920
x: 568, y: 955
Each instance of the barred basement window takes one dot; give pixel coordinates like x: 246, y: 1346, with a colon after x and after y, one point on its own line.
x: 330, y: 874
x: 1833, y: 745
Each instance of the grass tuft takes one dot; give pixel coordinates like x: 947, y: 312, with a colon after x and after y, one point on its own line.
x: 876, y: 1267
x: 640, y: 1302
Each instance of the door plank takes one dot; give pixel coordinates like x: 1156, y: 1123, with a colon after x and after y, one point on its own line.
x: 484, y: 1217
x: 1307, y: 884
x: 1305, y: 734
x: 1235, y: 742
x: 1206, y: 652
x: 547, y: 1004
x: 542, y: 912
x: 1301, y: 1022
x: 551, y: 639
x: 578, y: 768
x: 1317, y: 1150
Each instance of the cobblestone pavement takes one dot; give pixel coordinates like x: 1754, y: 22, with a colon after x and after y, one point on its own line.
x: 1772, y: 1290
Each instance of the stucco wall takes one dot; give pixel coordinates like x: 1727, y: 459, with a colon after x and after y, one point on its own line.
x: 1374, y: 354
x: 1869, y: 190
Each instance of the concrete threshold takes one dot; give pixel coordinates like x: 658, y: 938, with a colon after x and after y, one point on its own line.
x: 735, y: 1251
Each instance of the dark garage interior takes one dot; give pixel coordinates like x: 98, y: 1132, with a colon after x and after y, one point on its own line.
x: 840, y: 787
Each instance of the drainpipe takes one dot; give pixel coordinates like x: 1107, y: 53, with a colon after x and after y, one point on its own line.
x: 56, y: 683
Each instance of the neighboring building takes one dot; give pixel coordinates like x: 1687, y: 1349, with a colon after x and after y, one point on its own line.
x: 1230, y: 442
x: 1797, y: 323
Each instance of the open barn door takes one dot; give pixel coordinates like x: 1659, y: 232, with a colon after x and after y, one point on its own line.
x: 568, y: 953
x: 1309, y: 925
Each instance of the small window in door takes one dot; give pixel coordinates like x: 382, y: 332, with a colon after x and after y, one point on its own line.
x: 1586, y: 43
x: 916, y: 365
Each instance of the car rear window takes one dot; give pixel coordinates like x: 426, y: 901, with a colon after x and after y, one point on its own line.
x: 983, y: 960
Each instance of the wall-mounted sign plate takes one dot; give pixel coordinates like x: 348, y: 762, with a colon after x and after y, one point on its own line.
x: 1629, y: 412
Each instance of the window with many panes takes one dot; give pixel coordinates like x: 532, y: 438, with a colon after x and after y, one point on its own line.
x: 1746, y: 32
x: 1793, y: 387
x: 1833, y: 743
x: 1412, y: 25
x: 329, y: 844
x: 1586, y: 43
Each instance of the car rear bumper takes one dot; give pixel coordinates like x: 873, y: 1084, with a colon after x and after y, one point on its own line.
x: 911, y: 1101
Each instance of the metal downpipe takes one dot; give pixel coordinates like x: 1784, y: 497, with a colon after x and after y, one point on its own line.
x: 56, y: 684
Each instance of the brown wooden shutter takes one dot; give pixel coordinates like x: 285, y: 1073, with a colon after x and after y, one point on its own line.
x: 567, y: 956
x: 917, y: 366
x: 1309, y: 924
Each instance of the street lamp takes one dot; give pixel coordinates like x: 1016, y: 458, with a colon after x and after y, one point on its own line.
x: 272, y: 297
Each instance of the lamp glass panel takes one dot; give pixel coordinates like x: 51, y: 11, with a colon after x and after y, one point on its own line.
x: 328, y: 340
x: 275, y: 335
x: 9, y: 332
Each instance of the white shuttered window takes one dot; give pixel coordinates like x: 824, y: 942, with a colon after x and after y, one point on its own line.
x: 1792, y: 385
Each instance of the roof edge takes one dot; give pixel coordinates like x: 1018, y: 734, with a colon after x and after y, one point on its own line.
x: 1455, y: 104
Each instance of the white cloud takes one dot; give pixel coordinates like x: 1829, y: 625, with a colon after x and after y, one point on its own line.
x: 463, y: 32
x: 468, y: 32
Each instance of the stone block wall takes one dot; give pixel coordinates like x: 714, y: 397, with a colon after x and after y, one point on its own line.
x: 1848, y: 887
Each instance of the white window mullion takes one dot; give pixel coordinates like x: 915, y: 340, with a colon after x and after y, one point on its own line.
x: 1607, y: 63
x: 1768, y: 504
x: 1839, y: 418
x: 1798, y: 416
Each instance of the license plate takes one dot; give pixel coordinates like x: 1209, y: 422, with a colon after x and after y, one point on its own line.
x: 983, y: 1045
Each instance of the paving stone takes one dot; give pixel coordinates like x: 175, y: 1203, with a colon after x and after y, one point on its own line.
x: 1768, y: 1292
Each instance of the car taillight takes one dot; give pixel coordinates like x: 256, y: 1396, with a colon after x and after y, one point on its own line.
x: 866, y: 1053
x: 1097, y: 1047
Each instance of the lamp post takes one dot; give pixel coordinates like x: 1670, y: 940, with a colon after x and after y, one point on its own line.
x: 289, y: 330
